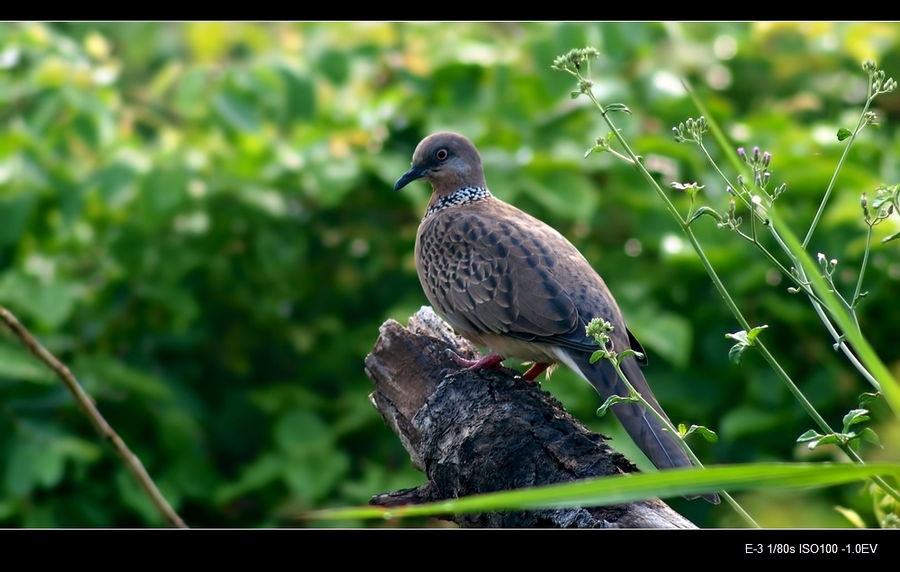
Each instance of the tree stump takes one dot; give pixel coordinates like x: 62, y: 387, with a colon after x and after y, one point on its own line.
x: 489, y: 430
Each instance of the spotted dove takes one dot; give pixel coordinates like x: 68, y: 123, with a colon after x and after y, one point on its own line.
x: 508, y: 282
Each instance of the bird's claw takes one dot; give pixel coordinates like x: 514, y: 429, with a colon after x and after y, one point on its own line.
x: 488, y: 361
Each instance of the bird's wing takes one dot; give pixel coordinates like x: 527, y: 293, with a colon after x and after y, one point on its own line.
x: 497, y: 270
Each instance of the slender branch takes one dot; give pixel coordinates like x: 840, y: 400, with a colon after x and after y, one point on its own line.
x: 859, y: 125
x: 86, y: 404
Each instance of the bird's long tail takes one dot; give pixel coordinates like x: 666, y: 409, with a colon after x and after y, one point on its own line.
x: 644, y: 428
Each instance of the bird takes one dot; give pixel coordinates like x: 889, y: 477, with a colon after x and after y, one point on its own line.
x: 511, y: 283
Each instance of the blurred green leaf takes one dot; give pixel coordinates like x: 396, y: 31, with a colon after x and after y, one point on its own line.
x: 335, y: 65
x: 266, y: 469
x: 108, y: 372
x: 32, y: 465
x: 50, y: 303
x: 300, y: 96
x: 665, y: 334
x: 17, y: 364
x: 15, y: 212
x: 236, y: 112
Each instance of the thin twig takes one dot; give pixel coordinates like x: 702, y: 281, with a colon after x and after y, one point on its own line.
x: 86, y: 404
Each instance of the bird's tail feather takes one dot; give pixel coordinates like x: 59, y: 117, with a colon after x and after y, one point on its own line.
x: 644, y: 428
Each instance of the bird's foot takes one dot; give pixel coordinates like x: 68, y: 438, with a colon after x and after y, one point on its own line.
x: 534, y: 371
x: 495, y: 360
x: 488, y: 361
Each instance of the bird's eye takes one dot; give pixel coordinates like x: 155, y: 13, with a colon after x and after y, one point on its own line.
x: 441, y: 154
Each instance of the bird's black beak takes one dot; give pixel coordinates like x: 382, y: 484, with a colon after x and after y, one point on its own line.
x: 408, y: 177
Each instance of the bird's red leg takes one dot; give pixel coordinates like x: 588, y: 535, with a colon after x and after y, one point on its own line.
x: 535, y: 370
x: 488, y: 361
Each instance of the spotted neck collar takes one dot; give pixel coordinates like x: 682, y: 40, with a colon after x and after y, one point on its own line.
x: 457, y: 198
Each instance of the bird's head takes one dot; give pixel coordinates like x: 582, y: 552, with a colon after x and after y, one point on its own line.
x: 448, y: 161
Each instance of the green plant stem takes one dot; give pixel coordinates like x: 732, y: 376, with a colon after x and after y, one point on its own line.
x: 820, y: 307
x: 862, y: 268
x: 801, y: 280
x: 861, y: 347
x: 828, y: 318
x: 859, y: 126
x: 720, y: 287
x: 685, y: 447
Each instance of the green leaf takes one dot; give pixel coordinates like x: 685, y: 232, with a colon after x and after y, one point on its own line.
x: 15, y: 214
x: 115, y: 182
x: 824, y: 440
x: 31, y: 465
x: 744, y: 340
x: 594, y: 149
x: 843, y: 133
x: 561, y: 190
x: 237, y: 113
x: 705, y: 211
x: 740, y: 336
x: 300, y: 96
x: 736, y: 353
x: 87, y: 129
x: 633, y: 487
x: 749, y: 420
x: 852, y: 516
x: 626, y: 353
x: 855, y: 416
x: 17, y: 364
x: 598, y: 355
x: 808, y: 436
x: 106, y: 372
x: 870, y: 436
x: 164, y: 189
x: 894, y: 236
x: 190, y: 97
x: 612, y: 400
x: 866, y: 398
x: 298, y: 430
x: 754, y: 333
x: 618, y: 107
x: 7, y: 509
x: 267, y: 468
x: 316, y: 465
x: 664, y: 334
x: 51, y: 303
x: 313, y: 476
x: 335, y: 65
x: 705, y: 432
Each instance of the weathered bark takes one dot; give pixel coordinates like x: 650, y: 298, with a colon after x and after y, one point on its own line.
x: 490, y: 430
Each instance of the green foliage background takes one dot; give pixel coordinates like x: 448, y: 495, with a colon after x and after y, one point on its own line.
x: 198, y: 220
